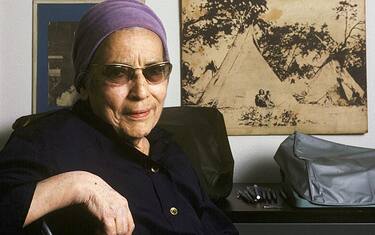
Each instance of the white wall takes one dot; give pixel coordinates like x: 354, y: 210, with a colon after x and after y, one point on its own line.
x: 252, y: 154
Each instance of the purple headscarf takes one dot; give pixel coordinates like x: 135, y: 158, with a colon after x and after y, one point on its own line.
x: 102, y: 20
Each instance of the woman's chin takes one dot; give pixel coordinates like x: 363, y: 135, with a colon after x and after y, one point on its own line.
x: 137, y: 131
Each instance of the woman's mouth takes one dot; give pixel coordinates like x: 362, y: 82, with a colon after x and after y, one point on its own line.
x: 138, y: 114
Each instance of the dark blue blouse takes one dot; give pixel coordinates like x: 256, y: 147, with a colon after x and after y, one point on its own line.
x: 162, y: 189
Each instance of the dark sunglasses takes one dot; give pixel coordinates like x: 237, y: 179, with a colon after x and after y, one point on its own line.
x: 123, y: 73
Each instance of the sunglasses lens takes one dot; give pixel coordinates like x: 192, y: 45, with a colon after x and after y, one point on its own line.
x: 120, y: 73
x: 117, y: 73
x: 157, y: 73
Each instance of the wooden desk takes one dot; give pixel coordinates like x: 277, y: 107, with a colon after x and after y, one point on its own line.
x: 240, y: 212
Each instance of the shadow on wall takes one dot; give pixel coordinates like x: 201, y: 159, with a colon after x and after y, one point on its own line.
x: 263, y: 170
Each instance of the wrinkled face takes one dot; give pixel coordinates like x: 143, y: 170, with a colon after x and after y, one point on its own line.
x: 133, y: 108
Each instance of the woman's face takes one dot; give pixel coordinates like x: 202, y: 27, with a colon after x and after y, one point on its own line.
x: 133, y: 108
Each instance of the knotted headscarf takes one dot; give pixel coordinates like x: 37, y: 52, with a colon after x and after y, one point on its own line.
x: 102, y: 20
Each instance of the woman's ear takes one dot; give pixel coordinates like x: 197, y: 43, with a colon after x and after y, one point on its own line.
x: 83, y: 92
x: 84, y: 89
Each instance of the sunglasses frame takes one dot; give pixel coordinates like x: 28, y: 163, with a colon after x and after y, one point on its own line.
x: 133, y: 69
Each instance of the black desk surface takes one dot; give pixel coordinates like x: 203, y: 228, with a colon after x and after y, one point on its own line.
x: 241, y: 212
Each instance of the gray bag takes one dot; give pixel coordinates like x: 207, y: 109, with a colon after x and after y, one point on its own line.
x: 318, y: 173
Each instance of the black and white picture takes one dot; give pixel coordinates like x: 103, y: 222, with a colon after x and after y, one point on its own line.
x: 61, y: 91
x: 274, y: 67
x: 54, y: 24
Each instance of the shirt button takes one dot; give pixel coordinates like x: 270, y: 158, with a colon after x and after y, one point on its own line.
x: 173, y: 211
x: 155, y: 169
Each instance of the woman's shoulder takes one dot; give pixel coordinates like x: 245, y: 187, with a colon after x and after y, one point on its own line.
x: 54, y: 126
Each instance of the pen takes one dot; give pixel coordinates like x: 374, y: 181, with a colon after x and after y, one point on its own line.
x: 249, y: 196
x: 272, y: 207
x: 282, y: 193
x: 243, y: 196
x: 263, y: 193
x: 274, y: 196
x: 269, y: 196
x: 251, y: 191
x: 257, y: 194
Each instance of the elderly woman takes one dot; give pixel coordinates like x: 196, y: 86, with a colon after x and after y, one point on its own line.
x: 103, y: 167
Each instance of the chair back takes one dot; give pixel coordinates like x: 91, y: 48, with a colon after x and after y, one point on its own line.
x: 201, y: 133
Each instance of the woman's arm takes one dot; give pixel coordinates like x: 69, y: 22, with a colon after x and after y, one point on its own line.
x: 81, y: 187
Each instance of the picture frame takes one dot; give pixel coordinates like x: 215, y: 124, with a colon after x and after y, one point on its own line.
x: 54, y: 24
x: 276, y: 67
x: 48, y: 62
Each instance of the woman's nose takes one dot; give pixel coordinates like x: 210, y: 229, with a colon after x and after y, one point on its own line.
x: 139, y: 86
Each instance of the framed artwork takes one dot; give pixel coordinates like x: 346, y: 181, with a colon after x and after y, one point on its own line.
x: 54, y: 24
x: 275, y: 67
